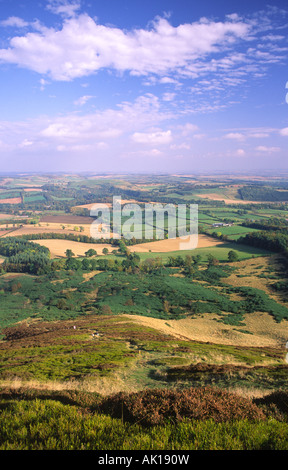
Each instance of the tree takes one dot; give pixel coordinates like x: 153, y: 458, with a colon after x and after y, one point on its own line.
x: 86, y: 264
x: 105, y: 310
x: 212, y: 261
x: 105, y: 251
x: 232, y: 256
x: 69, y: 253
x: 90, y: 252
x: 196, y: 259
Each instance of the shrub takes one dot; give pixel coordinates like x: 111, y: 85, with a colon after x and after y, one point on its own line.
x: 153, y: 407
x: 278, y: 400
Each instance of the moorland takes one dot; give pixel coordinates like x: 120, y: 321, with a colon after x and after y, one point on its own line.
x: 136, y: 343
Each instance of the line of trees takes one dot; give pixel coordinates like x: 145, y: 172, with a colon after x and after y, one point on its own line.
x: 272, y: 241
x: 262, y: 193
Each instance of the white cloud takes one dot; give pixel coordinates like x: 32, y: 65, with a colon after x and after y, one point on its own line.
x: 152, y: 138
x: 168, y: 96
x: 198, y: 136
x: 26, y: 143
x: 259, y: 135
x: 264, y: 149
x: 83, y: 47
x: 95, y: 130
x: 284, y: 131
x: 188, y: 128
x: 235, y: 136
x: 182, y: 146
x: 83, y: 100
x: 63, y: 7
x: 14, y: 21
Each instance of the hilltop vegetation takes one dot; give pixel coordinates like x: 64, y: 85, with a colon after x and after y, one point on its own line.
x: 202, y: 419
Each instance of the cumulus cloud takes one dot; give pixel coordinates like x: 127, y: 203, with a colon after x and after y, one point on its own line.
x: 152, y: 138
x: 82, y: 46
x: 95, y: 130
x: 284, y: 131
x: 235, y: 136
x: 83, y: 100
x: 63, y: 7
x: 264, y: 149
x: 14, y: 21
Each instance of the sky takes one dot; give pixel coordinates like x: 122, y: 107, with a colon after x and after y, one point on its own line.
x: 120, y: 86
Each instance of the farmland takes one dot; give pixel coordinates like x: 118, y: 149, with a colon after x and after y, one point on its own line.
x: 109, y: 316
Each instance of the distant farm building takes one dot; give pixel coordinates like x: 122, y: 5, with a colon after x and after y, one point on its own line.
x: 221, y: 225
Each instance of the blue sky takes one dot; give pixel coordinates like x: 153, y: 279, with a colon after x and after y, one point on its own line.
x: 131, y: 86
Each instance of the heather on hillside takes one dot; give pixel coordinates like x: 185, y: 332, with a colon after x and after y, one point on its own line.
x: 203, y: 419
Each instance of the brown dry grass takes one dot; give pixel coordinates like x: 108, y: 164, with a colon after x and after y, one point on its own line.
x: 251, y: 269
x: 103, y: 385
x: 265, y: 331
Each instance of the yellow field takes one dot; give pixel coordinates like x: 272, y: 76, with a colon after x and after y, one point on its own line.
x: 106, y: 204
x: 219, y: 197
x: 50, y: 227
x: 6, y: 216
x: 12, y: 200
x: 172, y: 244
x: 58, y: 247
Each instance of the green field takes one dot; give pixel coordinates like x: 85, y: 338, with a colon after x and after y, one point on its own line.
x: 220, y: 252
